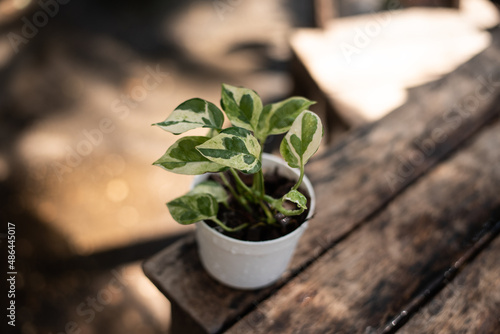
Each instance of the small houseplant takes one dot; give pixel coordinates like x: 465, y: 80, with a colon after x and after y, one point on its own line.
x: 235, y: 189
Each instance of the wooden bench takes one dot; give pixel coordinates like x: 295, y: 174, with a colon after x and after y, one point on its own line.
x: 404, y: 205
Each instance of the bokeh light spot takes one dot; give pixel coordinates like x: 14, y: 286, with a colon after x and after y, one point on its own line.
x: 117, y: 190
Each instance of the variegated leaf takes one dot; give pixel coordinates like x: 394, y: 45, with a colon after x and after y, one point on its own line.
x: 234, y: 147
x: 192, y: 114
x: 242, y: 106
x: 213, y: 188
x: 190, y: 209
x: 302, y: 140
x: 278, y: 117
x: 183, y: 158
x: 296, y: 197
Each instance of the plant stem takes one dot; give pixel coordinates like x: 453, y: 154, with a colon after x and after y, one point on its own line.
x: 269, y: 215
x: 240, y: 183
x: 299, y: 181
x: 258, y: 224
x: 226, y: 228
x: 240, y: 199
x: 258, y: 184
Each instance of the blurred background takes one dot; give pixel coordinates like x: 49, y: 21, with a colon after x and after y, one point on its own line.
x: 82, y: 81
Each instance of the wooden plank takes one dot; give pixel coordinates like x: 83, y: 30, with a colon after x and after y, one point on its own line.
x: 357, y: 286
x: 490, y: 230
x: 470, y: 304
x: 353, y: 180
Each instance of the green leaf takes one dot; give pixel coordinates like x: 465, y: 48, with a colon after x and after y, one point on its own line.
x: 192, y: 114
x: 293, y: 196
x: 234, y: 147
x: 296, y: 197
x: 302, y: 140
x: 190, y: 209
x: 213, y: 188
x: 183, y: 158
x: 242, y: 106
x: 278, y: 117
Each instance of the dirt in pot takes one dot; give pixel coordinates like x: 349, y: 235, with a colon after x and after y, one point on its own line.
x: 276, y: 186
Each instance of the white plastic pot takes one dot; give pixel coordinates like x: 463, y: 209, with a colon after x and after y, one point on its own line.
x: 250, y: 264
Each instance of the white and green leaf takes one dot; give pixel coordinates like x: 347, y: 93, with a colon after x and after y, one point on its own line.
x: 213, y: 188
x: 192, y: 114
x: 183, y: 158
x: 302, y: 140
x: 242, y: 106
x: 234, y: 147
x: 293, y: 196
x: 190, y: 209
x: 298, y: 198
x: 278, y: 117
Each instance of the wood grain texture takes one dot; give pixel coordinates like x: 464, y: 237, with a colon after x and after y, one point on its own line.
x: 470, y: 304
x: 353, y: 180
x: 357, y: 286
x: 489, y: 231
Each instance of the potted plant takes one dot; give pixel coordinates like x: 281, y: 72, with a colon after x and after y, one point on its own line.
x: 249, y: 207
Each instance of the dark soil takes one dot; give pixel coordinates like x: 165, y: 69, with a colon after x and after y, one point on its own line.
x: 276, y: 186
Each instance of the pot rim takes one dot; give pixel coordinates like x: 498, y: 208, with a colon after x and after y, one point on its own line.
x: 214, y: 232
x: 305, y: 182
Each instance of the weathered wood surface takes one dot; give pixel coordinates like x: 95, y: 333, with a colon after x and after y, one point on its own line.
x: 490, y: 230
x: 469, y: 304
x: 362, y: 283
x: 353, y: 180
